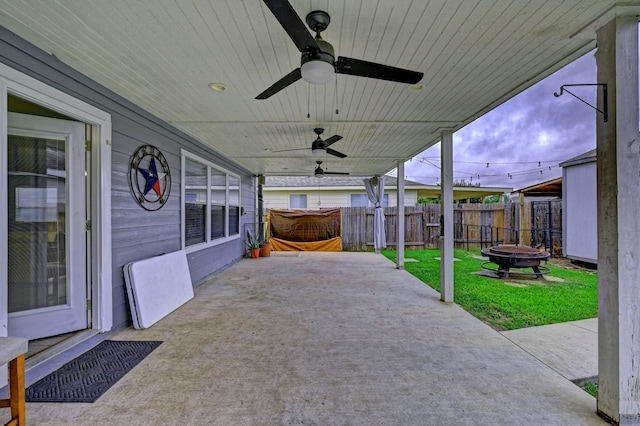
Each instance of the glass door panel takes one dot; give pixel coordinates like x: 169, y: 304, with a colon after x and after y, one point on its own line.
x: 37, y: 217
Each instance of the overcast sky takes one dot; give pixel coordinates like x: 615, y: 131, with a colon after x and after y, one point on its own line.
x: 532, y: 127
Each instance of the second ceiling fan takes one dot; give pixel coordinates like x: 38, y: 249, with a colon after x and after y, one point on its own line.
x: 320, y: 172
x: 319, y: 146
x: 318, y: 62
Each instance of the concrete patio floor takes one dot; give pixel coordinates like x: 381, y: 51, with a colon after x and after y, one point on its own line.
x: 327, y: 339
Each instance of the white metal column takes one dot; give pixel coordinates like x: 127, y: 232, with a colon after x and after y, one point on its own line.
x: 400, y: 221
x: 446, y: 197
x: 618, y: 188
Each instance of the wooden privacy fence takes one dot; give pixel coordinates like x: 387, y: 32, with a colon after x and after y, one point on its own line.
x: 475, y: 225
x: 422, y: 226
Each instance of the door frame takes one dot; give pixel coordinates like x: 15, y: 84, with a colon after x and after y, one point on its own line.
x: 21, y: 85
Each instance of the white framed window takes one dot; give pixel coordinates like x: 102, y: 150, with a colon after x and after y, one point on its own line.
x: 298, y: 201
x: 361, y: 200
x: 211, y: 203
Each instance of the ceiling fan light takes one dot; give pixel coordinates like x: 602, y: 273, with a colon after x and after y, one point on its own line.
x: 318, y: 152
x: 317, y: 72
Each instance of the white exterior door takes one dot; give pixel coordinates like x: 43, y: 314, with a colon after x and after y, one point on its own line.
x: 47, y: 238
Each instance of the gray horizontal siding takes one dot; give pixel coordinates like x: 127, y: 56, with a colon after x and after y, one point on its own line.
x: 136, y: 233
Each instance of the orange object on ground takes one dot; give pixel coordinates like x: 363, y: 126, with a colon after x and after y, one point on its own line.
x: 265, y: 249
x: 334, y: 244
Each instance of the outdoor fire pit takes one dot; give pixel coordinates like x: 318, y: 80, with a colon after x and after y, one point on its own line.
x: 511, y: 256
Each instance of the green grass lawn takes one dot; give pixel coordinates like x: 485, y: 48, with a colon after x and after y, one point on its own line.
x: 569, y: 294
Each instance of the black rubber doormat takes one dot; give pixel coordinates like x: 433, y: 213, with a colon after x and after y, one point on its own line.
x: 89, y: 376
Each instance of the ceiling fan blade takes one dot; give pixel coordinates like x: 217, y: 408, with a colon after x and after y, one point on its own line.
x: 336, y: 153
x: 292, y: 24
x: 332, y: 139
x: 285, y: 81
x: 372, y: 70
x: 336, y: 173
x: 294, y: 149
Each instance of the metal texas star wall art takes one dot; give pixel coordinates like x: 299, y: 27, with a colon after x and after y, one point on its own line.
x: 149, y: 178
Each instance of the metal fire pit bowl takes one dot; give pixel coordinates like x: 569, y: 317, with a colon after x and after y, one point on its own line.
x: 510, y: 256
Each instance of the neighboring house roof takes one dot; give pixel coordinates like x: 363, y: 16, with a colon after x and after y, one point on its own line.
x: 587, y: 157
x: 326, y: 183
x: 463, y: 192
x: 549, y: 188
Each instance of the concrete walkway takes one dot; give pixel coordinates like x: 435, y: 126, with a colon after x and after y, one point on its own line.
x: 570, y: 348
x: 327, y: 339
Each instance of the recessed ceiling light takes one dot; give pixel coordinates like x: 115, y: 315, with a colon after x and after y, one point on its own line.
x: 218, y: 87
x: 415, y: 87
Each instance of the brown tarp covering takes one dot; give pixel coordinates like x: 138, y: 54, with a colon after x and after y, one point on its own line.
x: 306, y: 230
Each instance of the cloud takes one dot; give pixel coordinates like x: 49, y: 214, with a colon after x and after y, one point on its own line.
x: 524, y: 139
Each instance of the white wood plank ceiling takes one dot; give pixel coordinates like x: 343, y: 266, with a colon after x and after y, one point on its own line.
x: 162, y: 55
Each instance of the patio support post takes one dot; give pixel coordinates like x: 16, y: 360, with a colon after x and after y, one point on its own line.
x: 446, y: 239
x: 400, y: 221
x: 618, y: 189
x: 521, y: 224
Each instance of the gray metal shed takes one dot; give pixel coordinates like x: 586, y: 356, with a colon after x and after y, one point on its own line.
x: 579, y: 207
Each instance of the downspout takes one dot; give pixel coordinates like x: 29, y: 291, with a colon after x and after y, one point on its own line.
x: 260, y: 213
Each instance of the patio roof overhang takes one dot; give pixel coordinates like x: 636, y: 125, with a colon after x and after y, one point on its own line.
x: 162, y: 56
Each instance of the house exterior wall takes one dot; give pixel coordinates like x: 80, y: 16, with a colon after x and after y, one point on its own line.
x: 276, y: 198
x: 579, y: 199
x: 136, y: 233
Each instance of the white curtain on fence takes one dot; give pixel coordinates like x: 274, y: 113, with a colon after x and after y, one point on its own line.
x: 375, y: 192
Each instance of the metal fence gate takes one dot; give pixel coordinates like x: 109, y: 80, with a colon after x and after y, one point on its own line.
x: 546, y: 225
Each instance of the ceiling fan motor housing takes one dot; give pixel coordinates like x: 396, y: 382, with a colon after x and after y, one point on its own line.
x: 326, y: 54
x: 318, y: 21
x: 318, y: 145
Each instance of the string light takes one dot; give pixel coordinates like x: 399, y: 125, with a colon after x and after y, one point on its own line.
x: 539, y: 166
x: 436, y: 157
x: 518, y: 173
x: 464, y: 175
